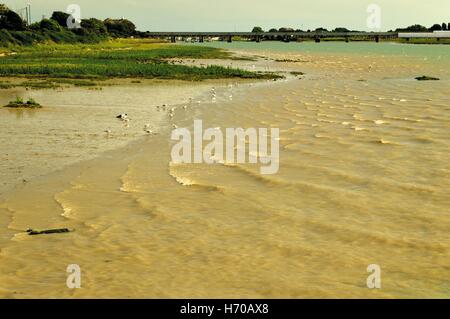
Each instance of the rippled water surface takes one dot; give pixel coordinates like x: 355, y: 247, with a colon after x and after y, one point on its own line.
x: 364, y: 179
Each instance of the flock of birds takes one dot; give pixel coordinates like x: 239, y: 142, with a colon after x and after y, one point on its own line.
x: 125, y: 119
x: 164, y: 107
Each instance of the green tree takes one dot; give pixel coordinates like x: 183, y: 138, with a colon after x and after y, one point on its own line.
x: 120, y: 27
x: 257, y: 30
x: 273, y: 30
x: 49, y: 25
x: 341, y: 30
x: 10, y: 20
x: 95, y: 26
x: 321, y: 30
x: 61, y: 18
x: 444, y: 26
x: 413, y: 28
x: 436, y: 27
x: 285, y: 29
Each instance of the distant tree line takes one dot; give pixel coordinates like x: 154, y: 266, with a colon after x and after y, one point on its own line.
x: 288, y: 29
x: 14, y: 31
x: 413, y: 28
x: 420, y: 28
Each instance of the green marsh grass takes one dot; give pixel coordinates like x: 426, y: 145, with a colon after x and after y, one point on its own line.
x: 19, y: 103
x: 134, y: 59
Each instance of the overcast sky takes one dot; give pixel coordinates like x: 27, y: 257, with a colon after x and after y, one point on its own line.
x: 242, y: 15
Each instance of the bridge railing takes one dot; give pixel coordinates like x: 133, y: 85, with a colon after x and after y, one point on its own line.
x: 272, y: 34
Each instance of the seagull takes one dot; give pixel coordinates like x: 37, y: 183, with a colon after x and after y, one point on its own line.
x: 146, y: 126
x: 185, y: 107
x: 174, y: 126
x: 149, y: 131
x: 123, y: 116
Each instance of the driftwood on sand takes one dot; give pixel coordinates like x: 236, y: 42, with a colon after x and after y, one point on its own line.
x: 47, y: 231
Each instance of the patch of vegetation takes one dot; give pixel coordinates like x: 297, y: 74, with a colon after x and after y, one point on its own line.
x: 5, y: 85
x: 426, y: 78
x: 243, y: 58
x: 297, y: 73
x: 123, y: 59
x: 61, y: 29
x: 19, y: 103
x: 289, y: 60
x: 38, y: 85
x: 47, y: 84
x: 62, y: 48
x: 74, y: 82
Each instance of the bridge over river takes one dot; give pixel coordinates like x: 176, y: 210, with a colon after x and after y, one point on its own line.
x: 283, y: 36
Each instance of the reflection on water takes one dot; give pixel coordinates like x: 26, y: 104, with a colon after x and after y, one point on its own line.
x: 21, y: 113
x: 363, y: 179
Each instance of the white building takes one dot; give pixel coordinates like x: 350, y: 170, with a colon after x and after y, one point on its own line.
x: 435, y: 34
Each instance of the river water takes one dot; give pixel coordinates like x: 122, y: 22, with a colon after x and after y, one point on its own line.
x: 364, y: 179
